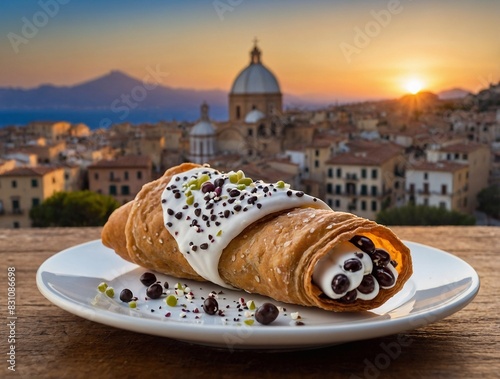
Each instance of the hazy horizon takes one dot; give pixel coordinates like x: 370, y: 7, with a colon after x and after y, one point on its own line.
x: 334, y: 50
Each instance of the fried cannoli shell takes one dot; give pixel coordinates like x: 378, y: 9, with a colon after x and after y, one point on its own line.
x: 274, y: 257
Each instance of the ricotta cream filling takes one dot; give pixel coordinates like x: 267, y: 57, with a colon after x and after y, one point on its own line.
x: 332, y: 264
x: 205, y: 209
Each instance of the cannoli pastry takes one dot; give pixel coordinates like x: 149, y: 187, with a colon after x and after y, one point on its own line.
x: 195, y: 222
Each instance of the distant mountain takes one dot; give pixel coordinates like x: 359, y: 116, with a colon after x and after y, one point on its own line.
x: 114, y: 91
x: 454, y: 93
x: 118, y: 93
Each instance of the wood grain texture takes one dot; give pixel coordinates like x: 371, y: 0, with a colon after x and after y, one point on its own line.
x: 51, y: 343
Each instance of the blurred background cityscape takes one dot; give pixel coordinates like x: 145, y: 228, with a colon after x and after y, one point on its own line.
x: 386, y: 109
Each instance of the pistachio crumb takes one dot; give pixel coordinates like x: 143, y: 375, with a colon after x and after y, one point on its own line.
x: 251, y: 305
x: 102, y: 287
x: 110, y: 291
x: 171, y: 300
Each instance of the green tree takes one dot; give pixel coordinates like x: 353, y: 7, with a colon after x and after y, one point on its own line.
x: 423, y: 215
x: 79, y: 208
x: 488, y: 201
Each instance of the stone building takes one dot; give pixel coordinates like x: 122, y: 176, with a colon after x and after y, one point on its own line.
x: 202, y: 138
x: 24, y: 188
x: 366, y: 179
x: 438, y: 184
x: 255, y: 87
x: 256, y: 126
x: 476, y: 156
x: 122, y: 177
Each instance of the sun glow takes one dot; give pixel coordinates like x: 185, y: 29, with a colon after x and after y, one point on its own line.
x: 414, y: 85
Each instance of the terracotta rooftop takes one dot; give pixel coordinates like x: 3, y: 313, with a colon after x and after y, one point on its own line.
x: 463, y: 147
x: 30, y: 171
x: 326, y: 140
x: 367, y: 153
x: 443, y: 166
x: 125, y: 161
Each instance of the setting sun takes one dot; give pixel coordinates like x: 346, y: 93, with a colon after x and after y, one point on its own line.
x: 414, y: 85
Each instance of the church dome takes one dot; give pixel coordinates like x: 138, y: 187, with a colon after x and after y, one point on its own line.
x: 254, y: 116
x: 204, y: 127
x: 255, y: 78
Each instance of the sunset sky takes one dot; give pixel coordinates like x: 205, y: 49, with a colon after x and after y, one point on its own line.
x: 338, y: 50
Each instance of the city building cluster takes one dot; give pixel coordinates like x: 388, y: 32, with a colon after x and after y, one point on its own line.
x: 360, y: 158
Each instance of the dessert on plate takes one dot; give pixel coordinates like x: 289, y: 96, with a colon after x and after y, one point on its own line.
x: 196, y: 222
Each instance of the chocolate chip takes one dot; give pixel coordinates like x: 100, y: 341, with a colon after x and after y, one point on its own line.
x: 234, y: 193
x: 340, y: 283
x: 252, y: 200
x: 353, y: 265
x: 126, y: 295
x: 299, y: 194
x: 170, y: 211
x: 364, y: 243
x: 178, y: 215
x: 207, y: 187
x: 148, y: 278
x: 204, y: 246
x: 154, y: 291
x: 367, y: 285
x: 349, y: 297
x: 219, y: 182
x: 380, y: 257
x: 210, y: 306
x: 384, y: 276
x: 266, y: 313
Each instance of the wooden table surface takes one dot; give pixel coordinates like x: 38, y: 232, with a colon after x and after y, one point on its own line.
x: 52, y: 343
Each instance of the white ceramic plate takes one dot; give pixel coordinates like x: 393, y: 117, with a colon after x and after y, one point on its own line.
x: 441, y: 285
